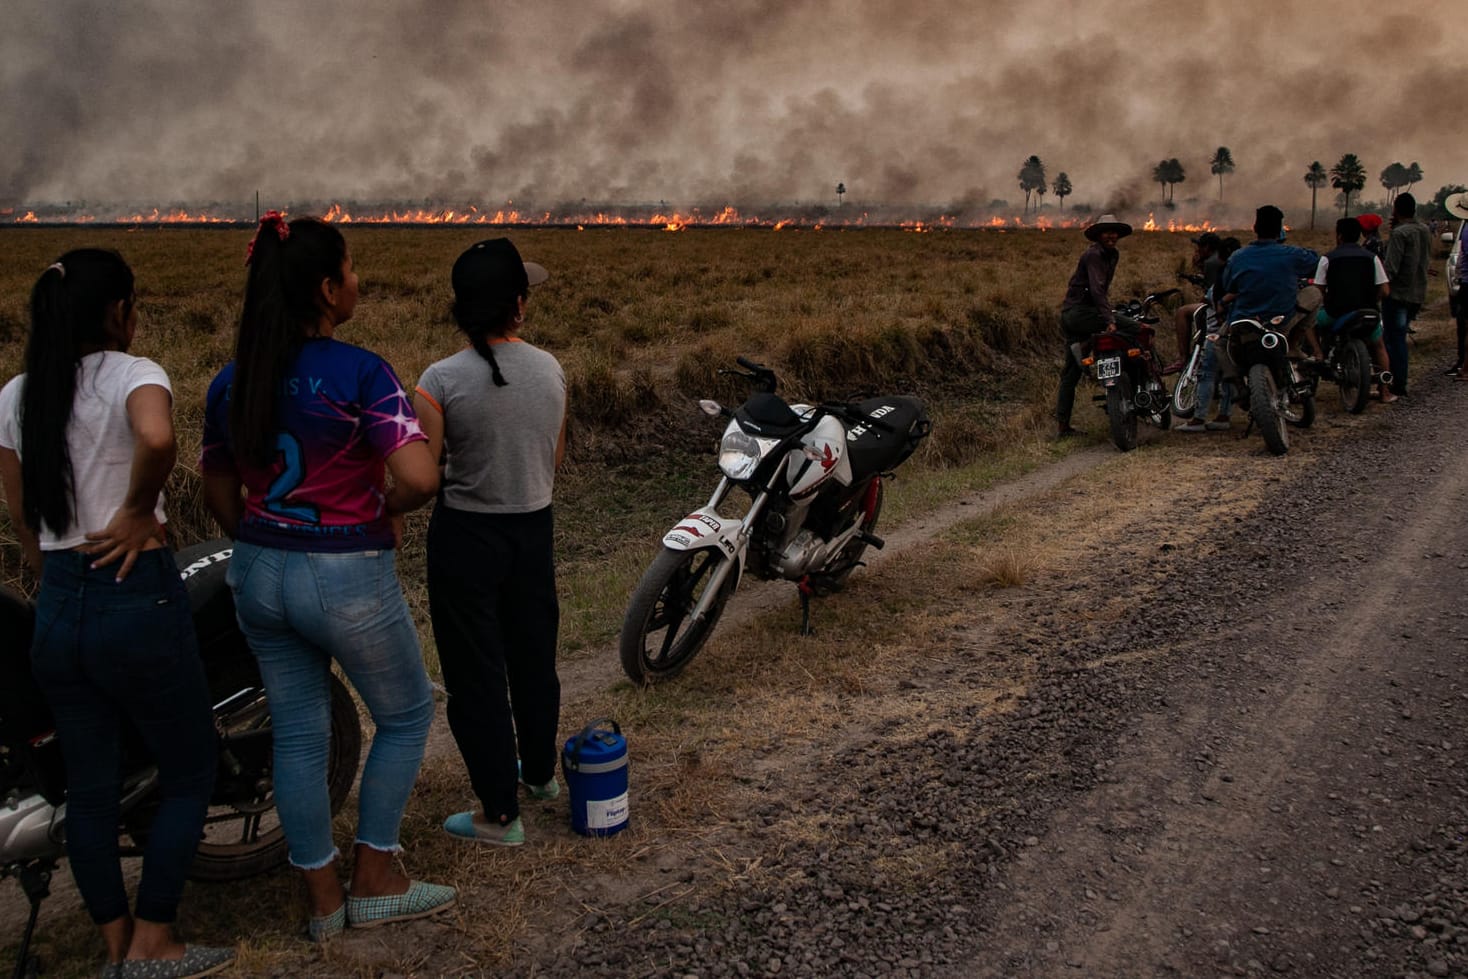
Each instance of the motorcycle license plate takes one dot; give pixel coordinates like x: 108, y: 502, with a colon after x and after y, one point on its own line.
x: 1108, y: 368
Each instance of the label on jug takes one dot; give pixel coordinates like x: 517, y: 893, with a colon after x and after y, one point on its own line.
x: 606, y: 813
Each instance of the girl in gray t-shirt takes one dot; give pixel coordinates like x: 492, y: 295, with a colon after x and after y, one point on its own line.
x: 496, y: 416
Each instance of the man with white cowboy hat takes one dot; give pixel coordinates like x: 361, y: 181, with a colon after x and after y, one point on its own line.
x: 1086, y: 309
x: 1457, y: 206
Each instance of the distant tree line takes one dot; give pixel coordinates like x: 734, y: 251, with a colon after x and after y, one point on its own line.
x: 1348, y: 176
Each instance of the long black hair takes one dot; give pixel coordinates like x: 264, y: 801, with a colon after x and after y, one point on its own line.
x: 489, y: 281
x: 69, y: 306
x: 288, y: 262
x: 486, y: 325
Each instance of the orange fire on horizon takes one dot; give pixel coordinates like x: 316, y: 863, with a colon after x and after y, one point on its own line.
x: 727, y: 216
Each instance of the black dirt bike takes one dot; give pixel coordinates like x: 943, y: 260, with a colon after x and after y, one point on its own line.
x: 1347, y: 360
x: 1257, y: 360
x: 242, y: 835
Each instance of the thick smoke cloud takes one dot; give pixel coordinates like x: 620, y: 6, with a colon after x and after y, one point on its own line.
x: 751, y: 102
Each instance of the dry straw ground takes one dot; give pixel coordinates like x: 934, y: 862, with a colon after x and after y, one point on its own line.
x: 642, y: 321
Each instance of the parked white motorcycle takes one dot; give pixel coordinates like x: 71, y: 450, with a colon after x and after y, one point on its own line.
x: 813, y: 474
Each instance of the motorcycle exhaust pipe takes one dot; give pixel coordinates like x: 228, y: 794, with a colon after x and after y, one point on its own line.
x: 1270, y: 340
x: 1384, y: 377
x: 1143, y: 400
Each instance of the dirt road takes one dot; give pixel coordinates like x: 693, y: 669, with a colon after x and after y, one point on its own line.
x: 1216, y: 735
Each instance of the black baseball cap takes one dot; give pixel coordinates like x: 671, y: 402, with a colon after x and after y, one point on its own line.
x: 1208, y: 240
x: 491, y: 271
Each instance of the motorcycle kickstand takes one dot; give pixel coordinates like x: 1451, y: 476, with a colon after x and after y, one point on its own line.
x: 805, y: 593
x: 35, y: 881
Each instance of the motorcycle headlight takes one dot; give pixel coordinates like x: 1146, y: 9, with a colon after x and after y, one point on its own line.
x: 740, y: 453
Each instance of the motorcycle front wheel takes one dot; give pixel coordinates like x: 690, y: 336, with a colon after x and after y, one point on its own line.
x: 1264, y: 409
x: 1121, y: 413
x: 1301, y: 411
x: 658, y: 640
x: 1354, y: 375
x: 242, y: 834
x: 1185, y: 391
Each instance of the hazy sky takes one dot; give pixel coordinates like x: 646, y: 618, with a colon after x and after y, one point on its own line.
x: 749, y: 102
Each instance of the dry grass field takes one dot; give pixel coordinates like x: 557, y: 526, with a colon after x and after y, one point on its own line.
x: 642, y: 320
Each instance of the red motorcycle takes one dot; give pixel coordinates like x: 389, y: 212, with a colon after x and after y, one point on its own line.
x: 1125, y: 363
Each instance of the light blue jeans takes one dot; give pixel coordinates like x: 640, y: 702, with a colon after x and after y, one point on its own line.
x: 299, y: 611
x: 1208, y: 376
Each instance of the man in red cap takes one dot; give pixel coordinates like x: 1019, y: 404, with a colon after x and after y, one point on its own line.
x: 1371, y: 234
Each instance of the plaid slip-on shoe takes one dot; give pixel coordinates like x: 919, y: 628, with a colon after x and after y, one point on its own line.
x: 198, y: 960
x: 419, y: 901
x: 328, y: 926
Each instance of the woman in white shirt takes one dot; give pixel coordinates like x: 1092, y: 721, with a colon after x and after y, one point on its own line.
x: 86, y: 444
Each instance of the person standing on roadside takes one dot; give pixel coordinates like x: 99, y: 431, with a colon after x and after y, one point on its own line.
x: 1371, y: 234
x: 496, y: 412
x: 1086, y: 309
x: 1408, y: 254
x: 310, y: 427
x: 1457, y: 206
x: 86, y: 445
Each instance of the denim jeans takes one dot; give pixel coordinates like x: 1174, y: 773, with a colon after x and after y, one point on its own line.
x: 1395, y: 318
x: 105, y: 652
x: 299, y: 611
x: 1208, y: 376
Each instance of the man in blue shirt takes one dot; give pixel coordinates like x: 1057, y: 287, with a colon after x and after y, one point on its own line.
x: 1262, y: 279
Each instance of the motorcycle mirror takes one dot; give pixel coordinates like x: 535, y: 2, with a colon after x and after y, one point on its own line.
x: 711, y: 408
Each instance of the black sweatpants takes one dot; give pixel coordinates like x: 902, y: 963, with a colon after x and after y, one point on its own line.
x: 492, y: 599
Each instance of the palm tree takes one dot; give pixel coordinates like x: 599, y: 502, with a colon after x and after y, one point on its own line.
x: 1347, y: 176
x: 1222, y: 163
x: 1393, y: 178
x: 1062, y: 187
x: 1031, y: 178
x: 1315, y: 177
x: 1174, y: 174
x: 1159, y: 176
x: 1414, y: 174
x: 840, y: 193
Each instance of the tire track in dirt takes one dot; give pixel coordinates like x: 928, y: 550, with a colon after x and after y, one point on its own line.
x: 1231, y: 837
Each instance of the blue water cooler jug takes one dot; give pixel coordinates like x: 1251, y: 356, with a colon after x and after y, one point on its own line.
x: 595, y: 766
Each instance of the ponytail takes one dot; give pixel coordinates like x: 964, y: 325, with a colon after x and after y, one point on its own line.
x: 482, y: 325
x: 483, y: 349
x: 287, y: 262
x: 69, y: 307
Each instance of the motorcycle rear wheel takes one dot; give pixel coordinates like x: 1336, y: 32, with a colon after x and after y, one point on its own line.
x: 1264, y: 409
x: 657, y: 640
x: 244, y: 837
x: 1122, y: 414
x: 1354, y: 376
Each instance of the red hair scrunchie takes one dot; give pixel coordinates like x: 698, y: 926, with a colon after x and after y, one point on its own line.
x: 271, y: 219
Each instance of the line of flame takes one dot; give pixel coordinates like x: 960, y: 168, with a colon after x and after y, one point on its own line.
x: 676, y: 221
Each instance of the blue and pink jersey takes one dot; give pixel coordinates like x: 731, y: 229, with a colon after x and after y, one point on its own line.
x: 342, y: 412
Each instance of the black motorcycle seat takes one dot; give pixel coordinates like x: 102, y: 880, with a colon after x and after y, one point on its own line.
x: 898, y: 424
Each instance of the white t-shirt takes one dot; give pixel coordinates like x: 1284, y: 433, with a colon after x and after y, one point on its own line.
x: 99, y: 439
